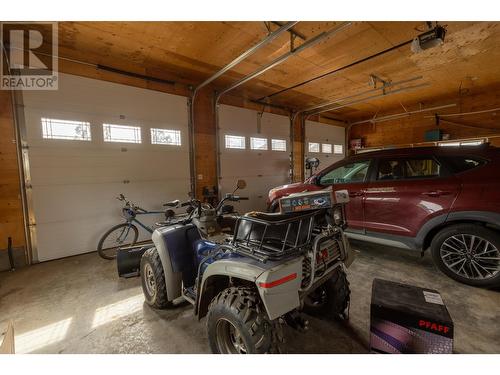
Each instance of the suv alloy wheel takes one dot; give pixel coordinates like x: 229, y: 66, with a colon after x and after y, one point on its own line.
x: 469, y: 253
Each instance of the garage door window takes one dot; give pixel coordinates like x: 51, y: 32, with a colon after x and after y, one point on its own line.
x: 121, y: 133
x: 278, y: 144
x: 326, y: 148
x: 165, y: 137
x: 65, y: 129
x: 338, y: 149
x: 313, y: 147
x: 235, y: 141
x: 258, y: 143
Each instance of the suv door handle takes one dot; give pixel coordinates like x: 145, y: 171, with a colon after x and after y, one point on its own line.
x: 356, y: 194
x: 436, y: 193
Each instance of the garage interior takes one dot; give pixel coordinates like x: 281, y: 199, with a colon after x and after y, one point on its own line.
x: 330, y: 84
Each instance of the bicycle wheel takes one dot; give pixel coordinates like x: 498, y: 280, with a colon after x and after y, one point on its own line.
x: 120, y: 235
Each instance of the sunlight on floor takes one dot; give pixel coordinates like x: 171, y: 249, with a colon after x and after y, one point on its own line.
x: 40, y: 337
x: 117, y: 310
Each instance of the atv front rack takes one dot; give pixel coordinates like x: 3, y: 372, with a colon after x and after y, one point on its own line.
x: 273, y: 237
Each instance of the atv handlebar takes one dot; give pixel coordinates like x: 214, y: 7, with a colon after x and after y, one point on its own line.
x: 236, y: 198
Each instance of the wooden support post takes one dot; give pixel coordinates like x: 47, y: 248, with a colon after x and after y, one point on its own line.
x: 298, y: 149
x: 204, y: 139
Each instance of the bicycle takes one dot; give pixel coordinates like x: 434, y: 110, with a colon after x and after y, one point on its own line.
x: 126, y: 234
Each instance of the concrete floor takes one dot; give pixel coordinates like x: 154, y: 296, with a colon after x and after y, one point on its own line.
x: 79, y: 305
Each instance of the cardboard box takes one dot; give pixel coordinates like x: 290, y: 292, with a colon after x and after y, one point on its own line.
x: 408, y: 319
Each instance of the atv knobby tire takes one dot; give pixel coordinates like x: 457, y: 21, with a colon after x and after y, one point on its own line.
x: 331, y: 299
x: 237, y: 323
x: 153, y: 280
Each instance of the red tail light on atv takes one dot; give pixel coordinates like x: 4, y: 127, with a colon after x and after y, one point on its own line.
x: 322, y: 255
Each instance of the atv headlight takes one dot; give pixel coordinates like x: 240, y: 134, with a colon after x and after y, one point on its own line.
x: 337, y: 215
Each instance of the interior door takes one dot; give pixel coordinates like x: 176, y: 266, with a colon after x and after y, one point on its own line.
x: 257, y: 151
x: 406, y: 193
x: 76, y: 175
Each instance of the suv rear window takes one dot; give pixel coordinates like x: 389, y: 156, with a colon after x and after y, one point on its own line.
x: 463, y: 163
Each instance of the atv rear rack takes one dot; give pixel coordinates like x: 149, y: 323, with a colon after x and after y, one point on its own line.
x: 265, y: 238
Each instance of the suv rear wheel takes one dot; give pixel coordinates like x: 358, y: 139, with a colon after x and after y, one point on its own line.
x: 468, y: 253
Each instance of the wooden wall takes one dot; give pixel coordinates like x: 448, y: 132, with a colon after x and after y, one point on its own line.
x: 205, y: 140
x: 411, y: 129
x: 11, y: 214
x: 298, y: 149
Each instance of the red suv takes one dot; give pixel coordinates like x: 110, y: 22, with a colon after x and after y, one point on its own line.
x: 445, y: 198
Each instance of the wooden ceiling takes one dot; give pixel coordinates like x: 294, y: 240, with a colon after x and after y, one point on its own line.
x: 190, y: 52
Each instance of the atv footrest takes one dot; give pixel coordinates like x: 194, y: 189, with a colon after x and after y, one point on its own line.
x: 189, y: 294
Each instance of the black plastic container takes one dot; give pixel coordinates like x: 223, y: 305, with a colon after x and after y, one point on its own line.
x: 128, y: 259
x: 408, y: 319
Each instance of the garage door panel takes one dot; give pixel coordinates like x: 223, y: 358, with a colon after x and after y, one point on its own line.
x: 323, y: 133
x: 100, y: 199
x: 101, y: 98
x: 245, y: 121
x: 75, y: 183
x: 108, y: 168
x: 256, y: 190
x: 247, y: 164
x: 69, y: 239
x: 262, y: 170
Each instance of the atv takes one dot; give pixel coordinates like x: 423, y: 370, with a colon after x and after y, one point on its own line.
x: 273, y: 267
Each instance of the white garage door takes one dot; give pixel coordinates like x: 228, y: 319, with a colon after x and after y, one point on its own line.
x: 255, y: 148
x: 75, y: 182
x: 325, y: 142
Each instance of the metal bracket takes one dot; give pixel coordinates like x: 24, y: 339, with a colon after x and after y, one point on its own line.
x: 374, y: 79
x: 259, y: 121
x: 436, y: 117
x: 292, y: 41
x: 291, y: 31
x: 267, y: 24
